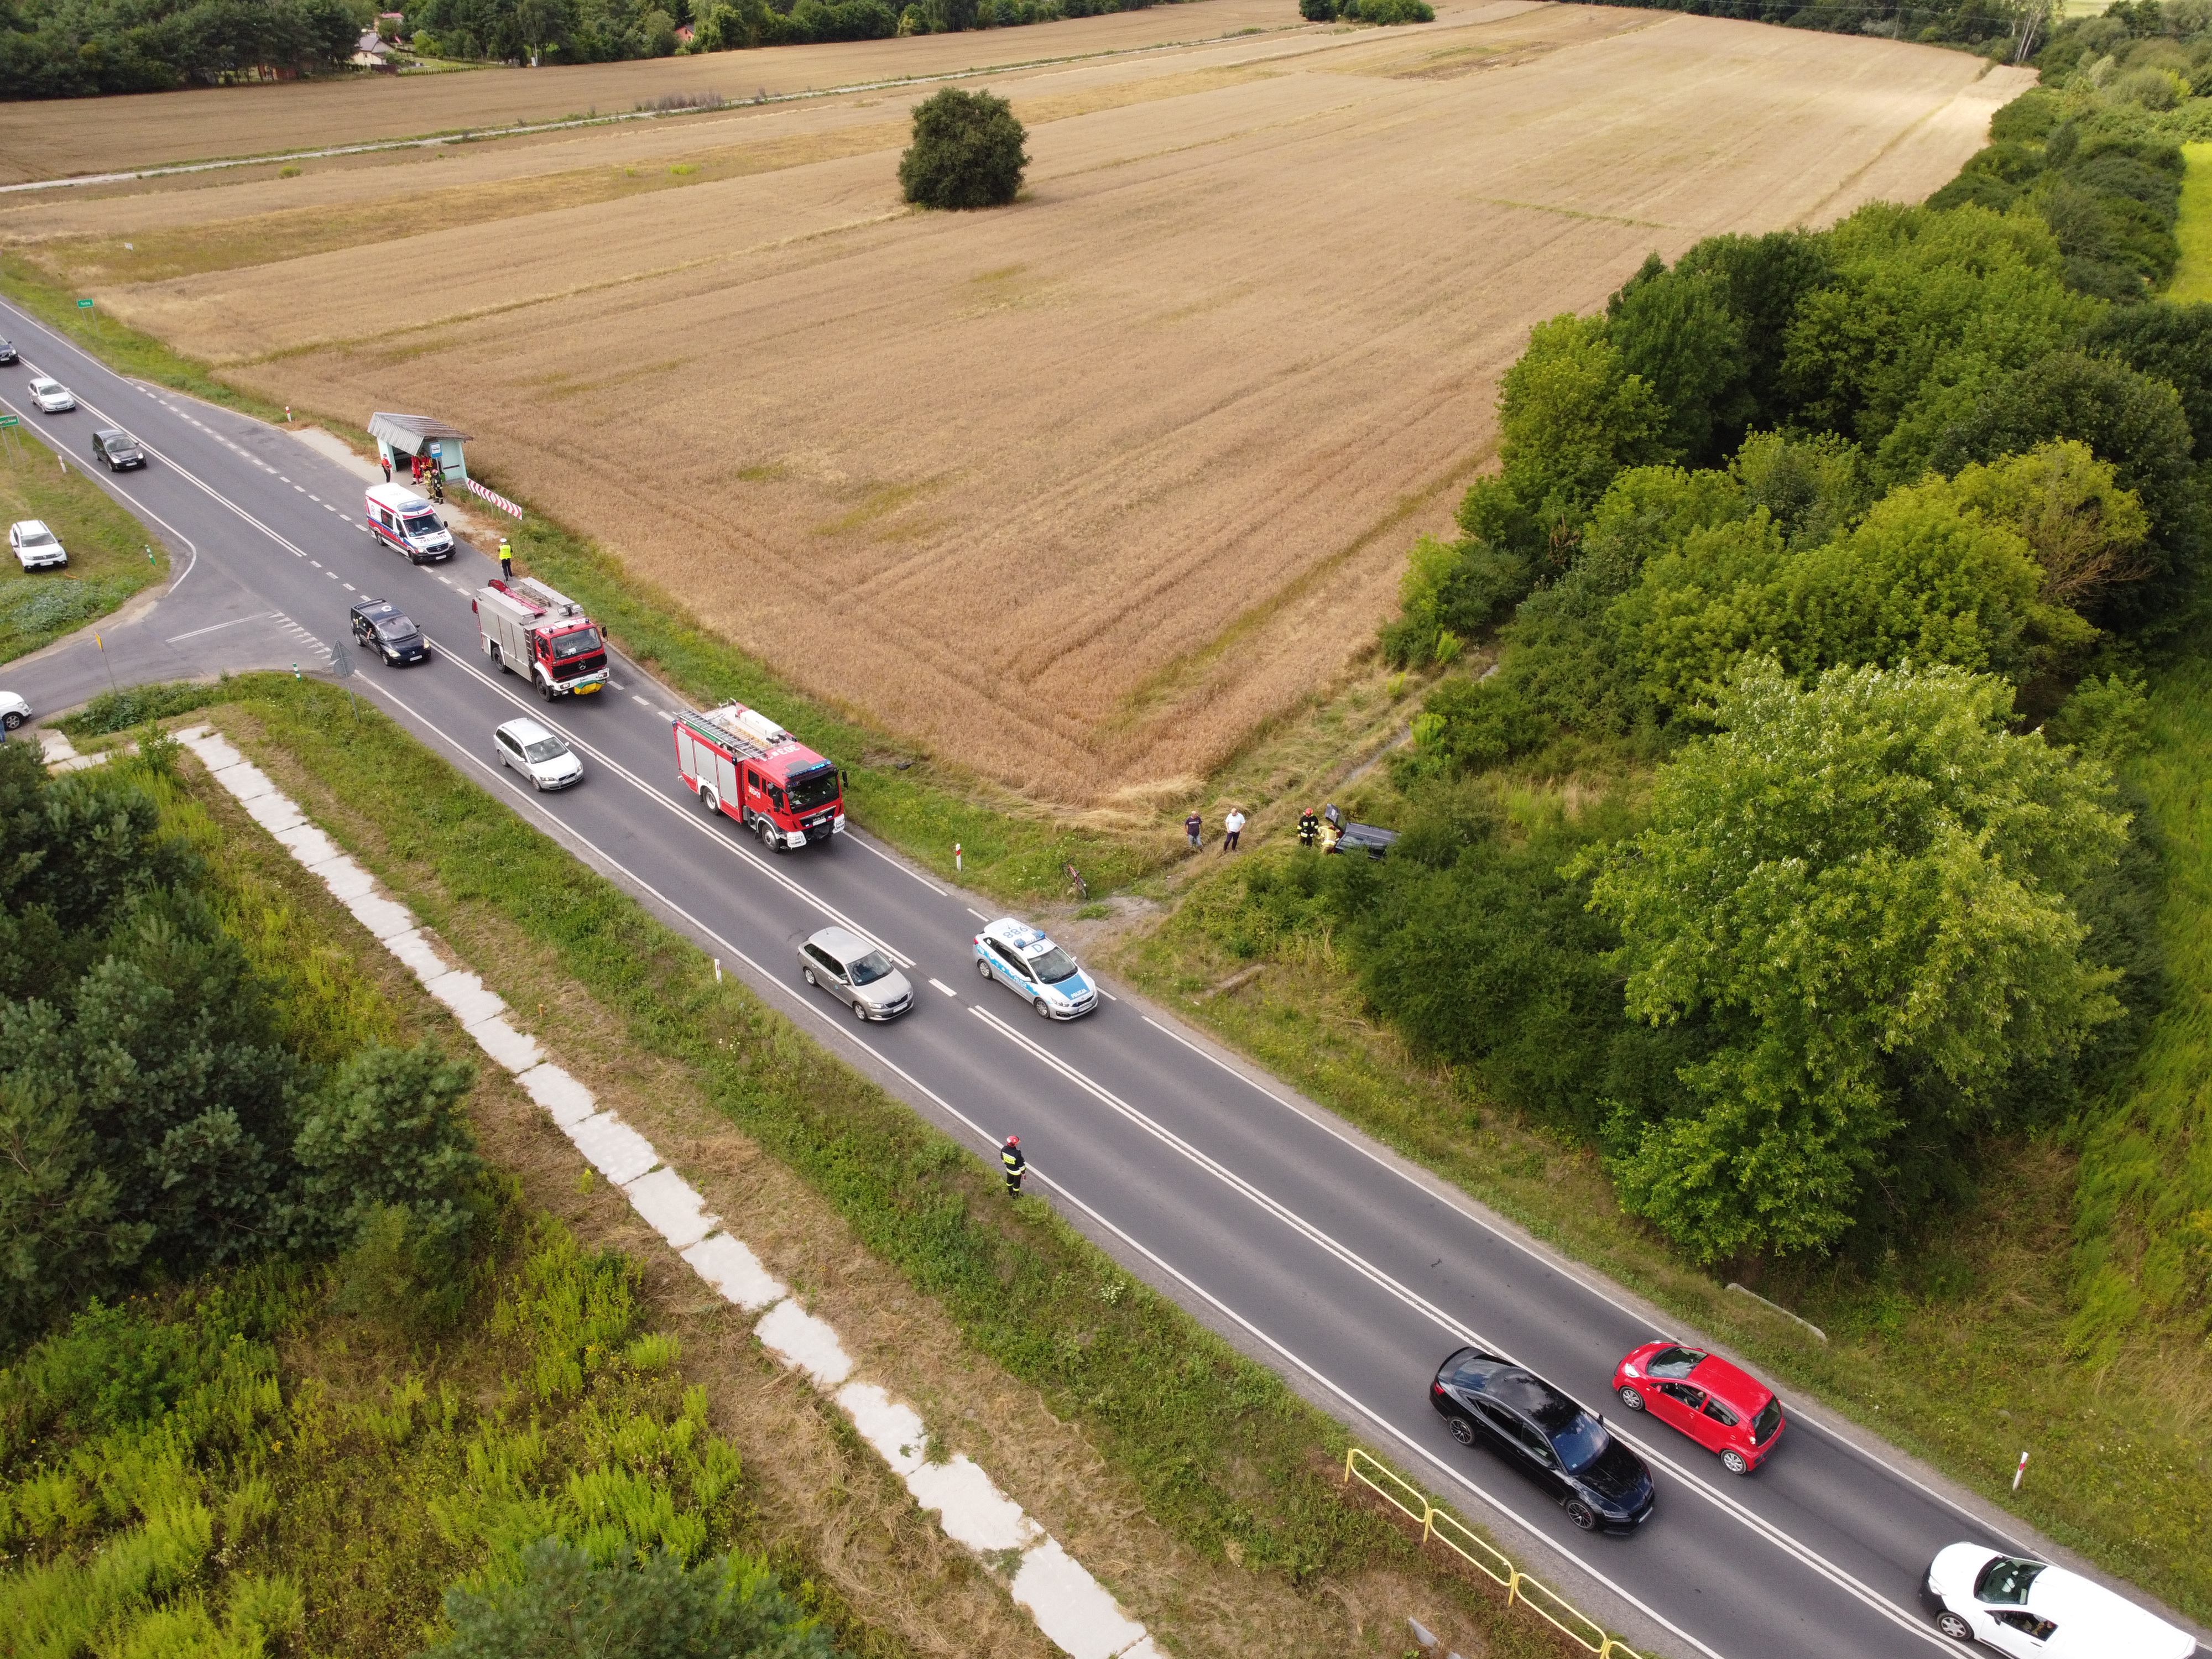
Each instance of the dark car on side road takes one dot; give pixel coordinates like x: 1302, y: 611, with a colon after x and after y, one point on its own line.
x: 387, y: 631
x: 7, y: 352
x: 1564, y: 1449
x: 117, y: 448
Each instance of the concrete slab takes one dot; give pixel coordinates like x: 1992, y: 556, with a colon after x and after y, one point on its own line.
x: 518, y: 1051
x: 345, y: 879
x: 416, y: 955
x: 671, y: 1207
x: 971, y: 1509
x: 735, y: 1271
x: 805, y: 1344
x: 246, y: 780
x: 273, y: 812
x: 565, y: 1100
x: 1071, y: 1607
x: 616, y: 1151
x: 384, y: 919
x: 309, y: 845
x: 466, y: 995
x: 891, y: 1426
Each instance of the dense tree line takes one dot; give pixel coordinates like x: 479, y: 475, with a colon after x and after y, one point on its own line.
x: 1859, y: 537
x: 159, y: 1116
x: 78, y: 48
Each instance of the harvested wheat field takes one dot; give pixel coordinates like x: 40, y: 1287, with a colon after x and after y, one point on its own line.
x: 1078, y: 492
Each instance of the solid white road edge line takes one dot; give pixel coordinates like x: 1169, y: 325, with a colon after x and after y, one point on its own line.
x: 1070, y: 1607
x: 1730, y: 1506
x: 1459, y: 1202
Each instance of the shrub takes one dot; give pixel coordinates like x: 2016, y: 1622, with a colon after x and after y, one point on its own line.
x: 967, y: 152
x: 625, y: 1607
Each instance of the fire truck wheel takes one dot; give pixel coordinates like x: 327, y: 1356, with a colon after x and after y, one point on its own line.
x: 766, y: 831
x: 707, y: 799
x: 545, y: 689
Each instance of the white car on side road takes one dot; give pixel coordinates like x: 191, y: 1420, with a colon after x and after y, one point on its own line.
x: 2037, y: 1611
x: 543, y: 756
x: 34, y: 546
x: 14, y: 710
x: 51, y: 395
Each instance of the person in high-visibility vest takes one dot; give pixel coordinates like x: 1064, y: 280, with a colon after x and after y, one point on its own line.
x: 1016, y: 1165
x: 505, y: 560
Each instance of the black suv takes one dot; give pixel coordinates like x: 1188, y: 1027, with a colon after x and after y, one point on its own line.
x: 383, y: 626
x: 117, y: 448
x: 1566, y: 1451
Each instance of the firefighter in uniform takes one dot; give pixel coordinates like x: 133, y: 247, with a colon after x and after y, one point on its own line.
x: 1016, y: 1165
x: 1309, y: 827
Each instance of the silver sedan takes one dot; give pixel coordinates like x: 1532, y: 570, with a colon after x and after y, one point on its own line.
x: 856, y: 973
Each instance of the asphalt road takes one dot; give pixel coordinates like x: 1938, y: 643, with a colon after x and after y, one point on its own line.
x: 1347, y: 1270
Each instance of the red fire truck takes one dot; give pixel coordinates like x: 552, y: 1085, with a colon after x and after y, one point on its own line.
x: 528, y: 629
x: 739, y: 761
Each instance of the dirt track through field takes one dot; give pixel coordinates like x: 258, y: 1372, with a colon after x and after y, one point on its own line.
x: 1080, y: 491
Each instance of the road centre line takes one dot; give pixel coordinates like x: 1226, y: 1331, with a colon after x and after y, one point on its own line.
x: 724, y: 842
x: 192, y: 548
x: 841, y: 1030
x: 1329, y: 1245
x: 741, y: 852
x: 1459, y: 1205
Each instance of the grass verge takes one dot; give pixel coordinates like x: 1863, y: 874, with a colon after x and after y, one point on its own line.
x: 1962, y: 1350
x: 110, y: 555
x: 2192, y: 278
x: 1225, y: 1458
x: 241, y: 1466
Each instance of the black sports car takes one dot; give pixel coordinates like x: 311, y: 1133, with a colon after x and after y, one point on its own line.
x: 1565, y: 1449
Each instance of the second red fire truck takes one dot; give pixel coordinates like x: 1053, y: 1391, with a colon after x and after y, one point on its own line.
x: 740, y: 761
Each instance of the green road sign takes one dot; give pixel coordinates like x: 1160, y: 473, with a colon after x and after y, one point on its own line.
x: 84, y: 304
x: 6, y: 421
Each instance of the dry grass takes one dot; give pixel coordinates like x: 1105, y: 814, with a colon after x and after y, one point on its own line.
x: 1082, y: 492
x: 817, y: 1480
x: 48, y: 141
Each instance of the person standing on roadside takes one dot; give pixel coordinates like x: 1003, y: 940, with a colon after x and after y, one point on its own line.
x: 1195, y: 827
x: 1016, y: 1165
x: 1234, y: 825
x: 505, y: 560
x: 386, y: 461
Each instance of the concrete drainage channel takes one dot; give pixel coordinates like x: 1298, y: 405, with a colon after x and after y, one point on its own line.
x: 1073, y: 1609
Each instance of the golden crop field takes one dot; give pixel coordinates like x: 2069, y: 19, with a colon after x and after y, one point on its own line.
x: 1082, y: 491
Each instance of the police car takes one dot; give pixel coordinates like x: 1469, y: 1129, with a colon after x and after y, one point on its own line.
x: 1045, y: 977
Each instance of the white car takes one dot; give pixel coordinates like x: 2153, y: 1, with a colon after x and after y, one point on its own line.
x: 14, y: 710
x: 51, y: 395
x: 33, y: 545
x: 543, y: 756
x: 1038, y: 971
x: 2029, y: 1608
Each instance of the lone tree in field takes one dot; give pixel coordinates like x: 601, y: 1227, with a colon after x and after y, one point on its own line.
x: 967, y: 152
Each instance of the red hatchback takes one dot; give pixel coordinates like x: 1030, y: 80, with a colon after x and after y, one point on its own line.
x: 1723, y: 1409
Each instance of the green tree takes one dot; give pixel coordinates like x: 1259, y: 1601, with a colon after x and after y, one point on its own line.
x: 568, y: 1603
x: 967, y: 151
x: 2085, y: 531
x: 1927, y: 310
x: 1861, y: 889
x: 387, y: 1131
x: 1675, y: 331
x: 2133, y: 421
x: 1922, y: 579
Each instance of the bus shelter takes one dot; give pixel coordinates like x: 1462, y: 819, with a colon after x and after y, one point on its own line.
x: 416, y: 446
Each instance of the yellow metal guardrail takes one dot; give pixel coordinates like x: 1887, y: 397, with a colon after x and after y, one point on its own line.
x: 1540, y: 1598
